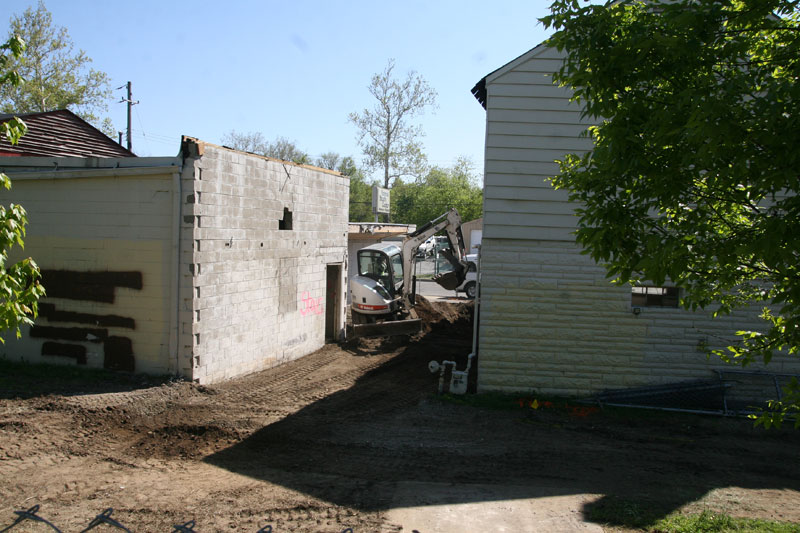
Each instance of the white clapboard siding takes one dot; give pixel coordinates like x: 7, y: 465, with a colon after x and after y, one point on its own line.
x: 545, y: 131
x: 537, y: 142
x: 544, y: 193
x: 531, y: 124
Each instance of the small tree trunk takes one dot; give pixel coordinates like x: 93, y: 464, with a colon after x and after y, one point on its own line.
x: 386, y: 183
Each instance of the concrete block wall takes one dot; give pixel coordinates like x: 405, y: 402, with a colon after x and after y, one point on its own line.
x: 552, y: 323
x: 254, y: 295
x: 105, y: 242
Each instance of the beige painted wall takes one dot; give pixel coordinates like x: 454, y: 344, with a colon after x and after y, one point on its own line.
x: 105, y: 244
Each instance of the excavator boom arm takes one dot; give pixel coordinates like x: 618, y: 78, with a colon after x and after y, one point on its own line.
x: 450, y: 222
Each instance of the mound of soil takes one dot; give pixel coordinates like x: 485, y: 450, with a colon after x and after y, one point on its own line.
x: 439, y: 316
x: 182, y: 441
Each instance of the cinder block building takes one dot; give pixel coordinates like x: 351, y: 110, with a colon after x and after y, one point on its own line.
x: 208, y: 265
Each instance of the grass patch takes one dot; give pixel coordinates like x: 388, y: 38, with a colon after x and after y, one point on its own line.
x: 639, y: 515
x: 488, y: 400
x: 26, y: 379
x: 650, y: 517
x: 517, y: 402
x: 708, y: 522
x: 630, y: 416
x: 11, y: 371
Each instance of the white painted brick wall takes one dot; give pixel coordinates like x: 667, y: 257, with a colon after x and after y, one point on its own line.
x: 550, y: 322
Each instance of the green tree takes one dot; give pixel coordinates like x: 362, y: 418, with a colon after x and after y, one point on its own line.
x: 694, y: 172
x: 386, y: 134
x: 329, y: 160
x: 283, y: 148
x: 360, y: 189
x: 254, y: 143
x: 55, y: 76
x: 19, y: 282
x: 360, y: 198
x: 440, y: 189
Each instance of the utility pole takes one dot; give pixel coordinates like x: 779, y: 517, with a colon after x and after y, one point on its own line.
x: 131, y: 103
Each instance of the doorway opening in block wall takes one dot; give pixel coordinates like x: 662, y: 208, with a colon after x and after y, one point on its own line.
x: 333, y: 302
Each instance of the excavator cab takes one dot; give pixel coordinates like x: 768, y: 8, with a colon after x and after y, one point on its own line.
x: 378, y: 287
x: 384, y: 266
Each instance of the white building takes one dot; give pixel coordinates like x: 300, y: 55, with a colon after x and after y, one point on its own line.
x: 550, y: 321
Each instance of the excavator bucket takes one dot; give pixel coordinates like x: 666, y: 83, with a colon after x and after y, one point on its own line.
x: 451, y: 280
x: 387, y: 329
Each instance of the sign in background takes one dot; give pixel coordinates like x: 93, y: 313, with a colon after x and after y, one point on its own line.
x: 380, y: 200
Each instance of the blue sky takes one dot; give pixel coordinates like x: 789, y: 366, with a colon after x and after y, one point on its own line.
x: 293, y: 68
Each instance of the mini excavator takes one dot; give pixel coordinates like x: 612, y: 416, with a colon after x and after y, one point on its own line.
x: 382, y: 294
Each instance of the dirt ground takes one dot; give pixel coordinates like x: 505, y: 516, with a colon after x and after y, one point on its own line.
x: 322, y: 443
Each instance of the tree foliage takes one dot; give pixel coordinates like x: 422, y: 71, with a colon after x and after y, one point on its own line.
x: 54, y: 74
x: 694, y: 172
x: 441, y: 189
x: 254, y: 143
x: 329, y: 160
x: 386, y: 134
x: 360, y: 198
x: 19, y: 282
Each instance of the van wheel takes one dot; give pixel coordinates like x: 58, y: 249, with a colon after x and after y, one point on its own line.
x: 471, y: 289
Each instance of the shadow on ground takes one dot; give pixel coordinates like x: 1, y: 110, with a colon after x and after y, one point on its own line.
x: 358, y: 447
x: 23, y: 380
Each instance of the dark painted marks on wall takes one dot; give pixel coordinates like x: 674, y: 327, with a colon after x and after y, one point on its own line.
x: 89, y: 286
x: 75, y: 351
x: 296, y: 340
x: 50, y: 312
x: 118, y: 354
x: 69, y: 334
x: 92, y: 287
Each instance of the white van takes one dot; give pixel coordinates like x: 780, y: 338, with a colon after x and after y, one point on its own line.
x: 470, y: 284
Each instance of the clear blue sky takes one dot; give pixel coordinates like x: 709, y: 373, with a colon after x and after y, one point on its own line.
x: 293, y: 68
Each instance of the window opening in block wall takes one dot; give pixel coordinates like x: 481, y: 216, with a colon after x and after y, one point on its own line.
x: 286, y: 221
x: 649, y: 296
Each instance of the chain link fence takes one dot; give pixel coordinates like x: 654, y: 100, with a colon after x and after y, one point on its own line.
x: 730, y: 393
x: 104, y: 518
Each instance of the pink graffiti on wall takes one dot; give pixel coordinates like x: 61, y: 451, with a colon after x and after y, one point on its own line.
x: 311, y: 305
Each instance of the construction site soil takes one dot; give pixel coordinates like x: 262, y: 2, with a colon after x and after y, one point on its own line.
x: 321, y: 444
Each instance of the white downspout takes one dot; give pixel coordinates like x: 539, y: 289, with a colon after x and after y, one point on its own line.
x: 175, y: 298
x: 477, y: 309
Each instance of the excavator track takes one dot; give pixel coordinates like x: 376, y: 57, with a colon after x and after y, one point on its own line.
x: 387, y: 328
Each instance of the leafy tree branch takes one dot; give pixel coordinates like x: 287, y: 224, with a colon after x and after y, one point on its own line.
x: 694, y: 172
x: 20, y: 289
